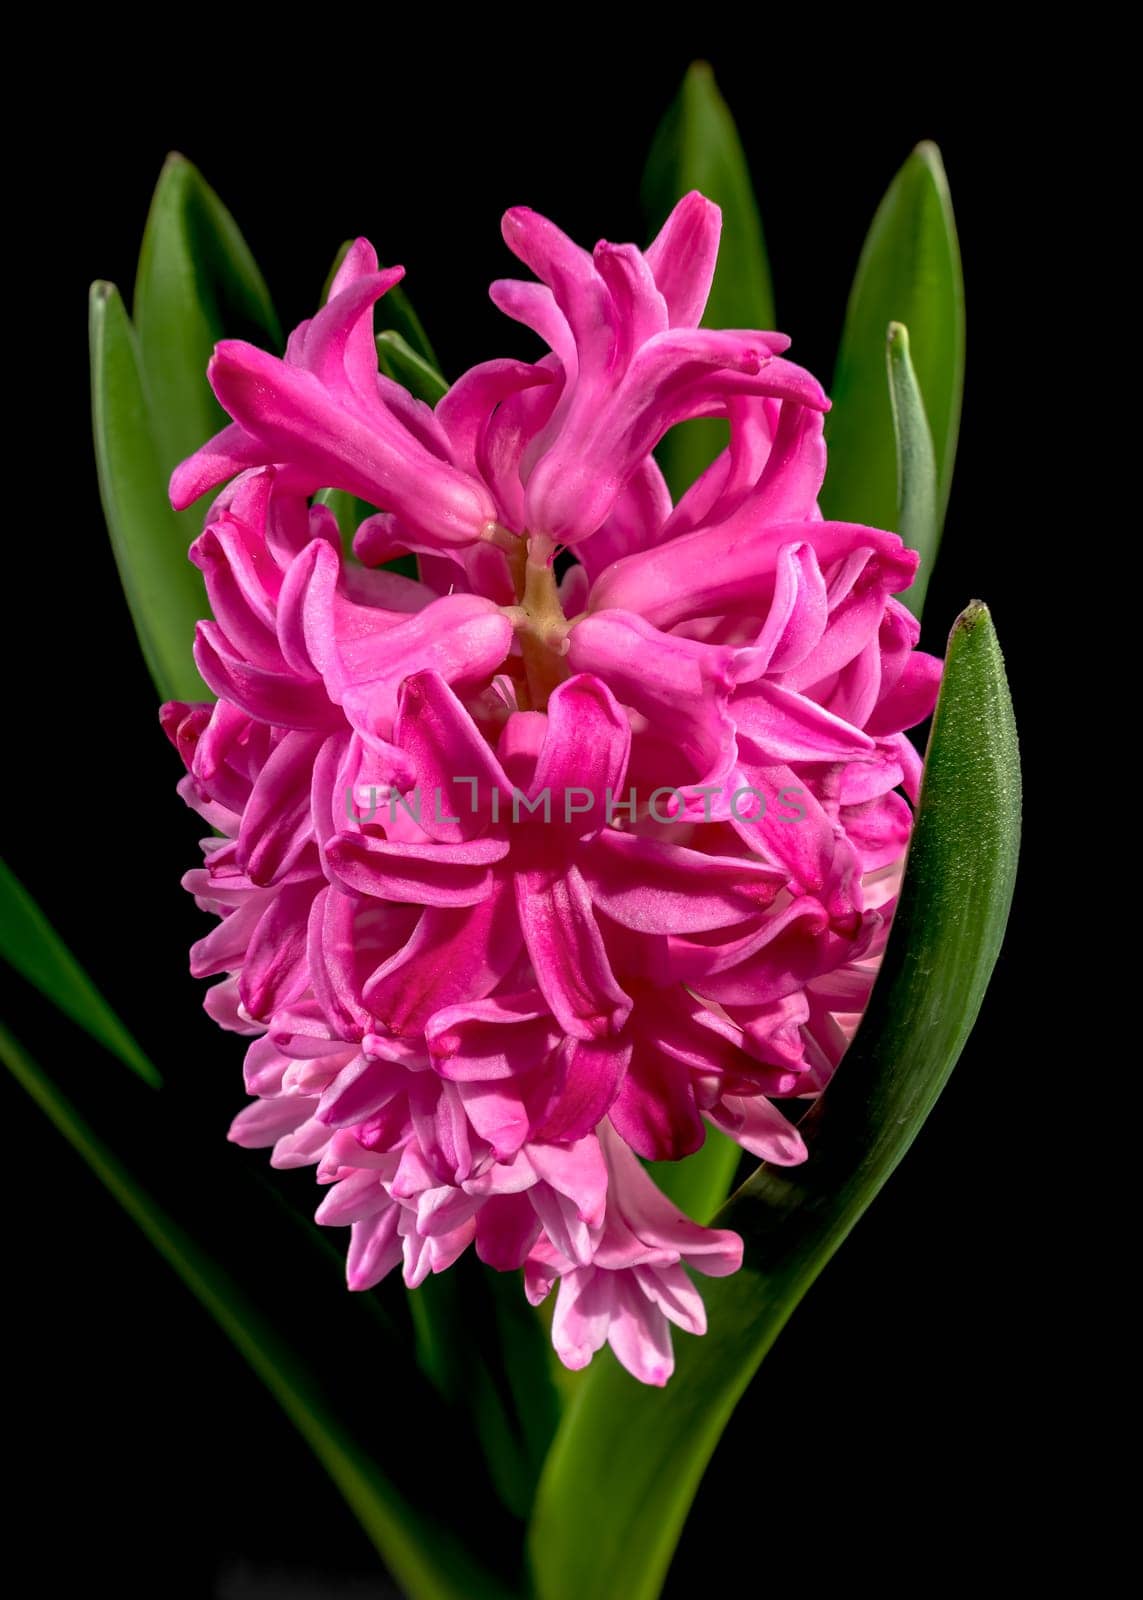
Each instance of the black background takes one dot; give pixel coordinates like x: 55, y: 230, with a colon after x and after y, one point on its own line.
x: 902, y: 1417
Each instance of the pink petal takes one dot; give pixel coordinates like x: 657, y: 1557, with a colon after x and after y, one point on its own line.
x: 584, y: 1307
x: 640, y: 1335
x: 911, y: 699
x: 593, y: 1072
x: 569, y: 273
x: 356, y: 1197
x: 360, y: 1090
x: 263, y: 1123
x: 230, y: 451
x: 587, y: 741
x: 655, y: 1111
x: 758, y: 1126
x: 672, y: 1291
x: 502, y: 1037
x: 294, y: 417
x: 506, y: 1230
x: 635, y: 521
x: 269, y: 696
x: 578, y: 1172
x: 374, y: 1249
x: 276, y: 824
x: 654, y: 887
x: 776, y: 725
x: 534, y: 305
x: 498, y: 1115
x: 454, y: 955
x: 796, y: 618
x: 275, y: 969
x: 426, y: 874
x: 456, y: 771
x: 878, y: 830
x: 567, y: 951
x: 682, y: 258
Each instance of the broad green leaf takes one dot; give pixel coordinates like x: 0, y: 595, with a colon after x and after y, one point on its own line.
x: 918, y: 521
x: 402, y: 363
x: 520, y: 1346
x: 30, y: 944
x: 909, y: 272
x: 627, y: 1461
x: 697, y: 147
x: 164, y: 591
x: 197, y: 283
x: 423, y: 1554
x: 699, y: 1184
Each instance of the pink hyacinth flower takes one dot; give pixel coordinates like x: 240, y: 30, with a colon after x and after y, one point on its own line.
x: 520, y: 880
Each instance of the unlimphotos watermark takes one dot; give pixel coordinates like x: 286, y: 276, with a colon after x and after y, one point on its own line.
x: 367, y: 802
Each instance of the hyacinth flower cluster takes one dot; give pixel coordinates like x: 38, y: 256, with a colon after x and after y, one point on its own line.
x: 586, y: 840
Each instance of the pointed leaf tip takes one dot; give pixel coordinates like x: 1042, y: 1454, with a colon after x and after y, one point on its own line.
x: 918, y: 518
x: 909, y: 272
x: 974, y: 613
x: 197, y: 282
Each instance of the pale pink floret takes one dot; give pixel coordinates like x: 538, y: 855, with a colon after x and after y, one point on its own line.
x: 635, y: 1286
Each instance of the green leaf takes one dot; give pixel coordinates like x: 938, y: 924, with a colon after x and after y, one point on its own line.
x: 402, y: 363
x: 350, y: 513
x: 918, y: 520
x: 197, y: 283
x: 423, y: 1554
x: 520, y: 1366
x: 499, y: 1371
x: 164, y: 591
x: 627, y: 1461
x: 909, y: 272
x: 699, y: 1184
x: 395, y: 313
x: 697, y: 147
x: 30, y: 944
